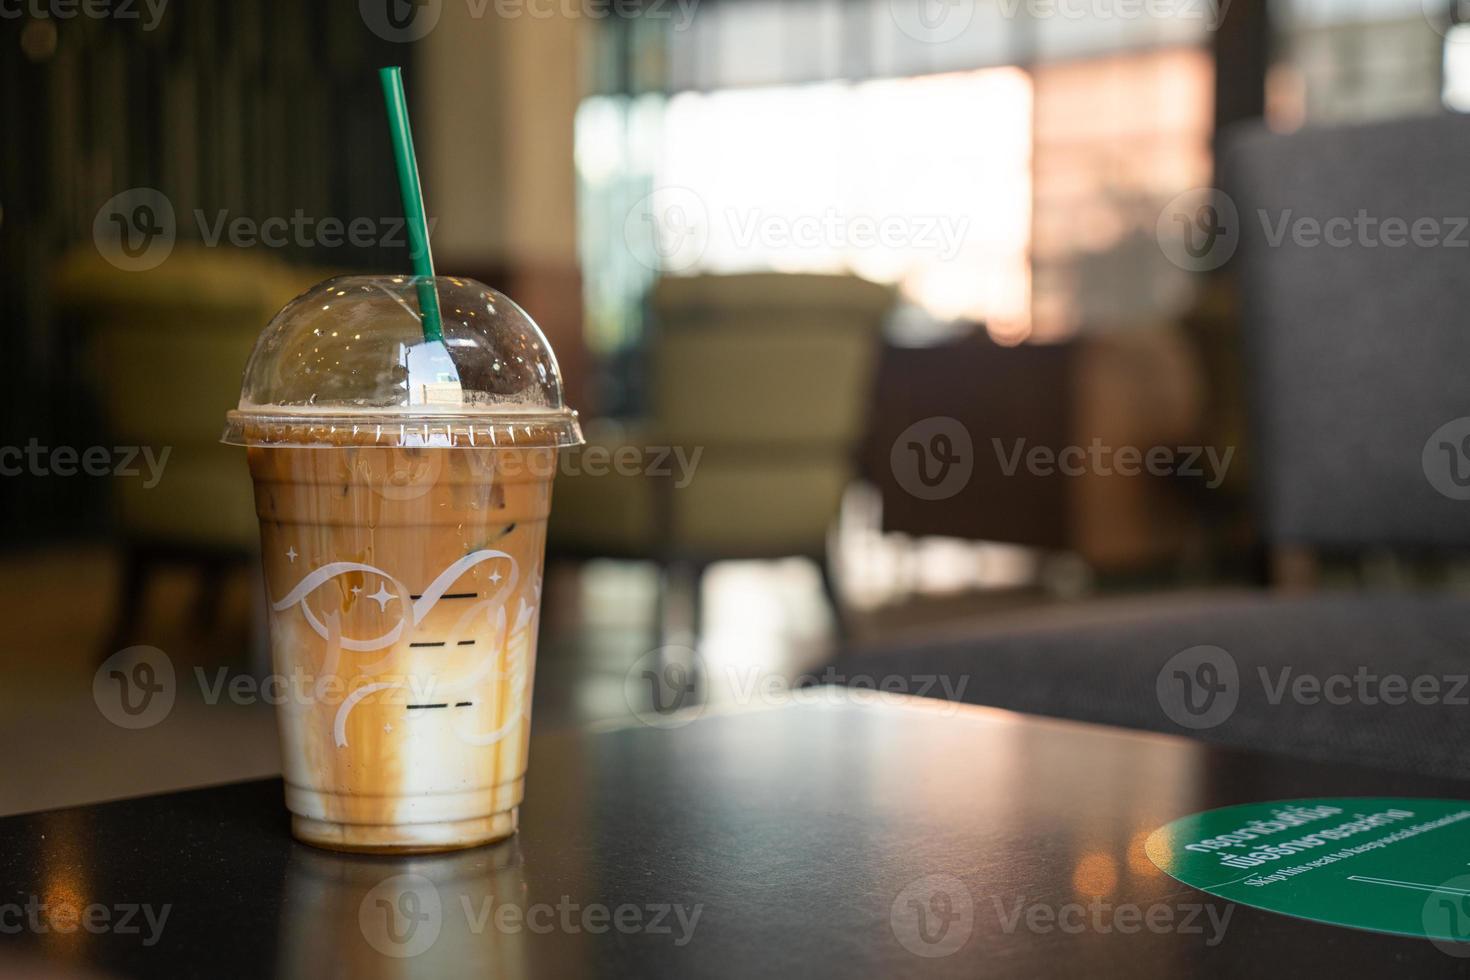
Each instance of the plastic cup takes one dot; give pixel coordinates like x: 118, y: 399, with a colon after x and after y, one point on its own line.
x: 403, y: 488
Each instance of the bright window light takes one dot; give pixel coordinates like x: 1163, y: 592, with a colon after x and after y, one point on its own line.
x: 924, y: 182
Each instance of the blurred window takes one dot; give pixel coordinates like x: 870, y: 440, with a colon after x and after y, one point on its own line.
x: 874, y: 178
x: 1343, y: 61
x: 1116, y: 139
x: 1010, y: 156
x: 731, y: 43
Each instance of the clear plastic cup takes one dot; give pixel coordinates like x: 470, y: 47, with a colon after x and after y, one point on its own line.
x: 403, y: 488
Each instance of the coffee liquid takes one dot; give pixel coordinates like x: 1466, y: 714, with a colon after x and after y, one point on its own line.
x: 405, y: 590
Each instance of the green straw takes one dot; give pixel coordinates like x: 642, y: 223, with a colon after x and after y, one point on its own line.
x: 413, y: 200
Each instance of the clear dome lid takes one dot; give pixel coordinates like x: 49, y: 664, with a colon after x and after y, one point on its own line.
x: 347, y: 363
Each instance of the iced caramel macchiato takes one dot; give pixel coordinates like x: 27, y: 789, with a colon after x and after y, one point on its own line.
x: 402, y: 535
x: 405, y: 587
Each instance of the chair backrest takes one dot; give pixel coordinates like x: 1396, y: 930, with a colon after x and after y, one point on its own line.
x: 169, y: 344
x: 1357, y: 335
x: 168, y: 347
x: 765, y: 361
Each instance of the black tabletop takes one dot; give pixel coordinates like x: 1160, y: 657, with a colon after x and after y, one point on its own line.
x: 826, y: 839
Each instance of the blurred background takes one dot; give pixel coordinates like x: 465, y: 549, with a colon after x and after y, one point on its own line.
x: 913, y: 323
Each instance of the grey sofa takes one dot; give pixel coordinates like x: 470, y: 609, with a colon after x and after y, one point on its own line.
x: 1358, y: 361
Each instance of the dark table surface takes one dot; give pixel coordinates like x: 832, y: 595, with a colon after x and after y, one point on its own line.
x: 798, y: 836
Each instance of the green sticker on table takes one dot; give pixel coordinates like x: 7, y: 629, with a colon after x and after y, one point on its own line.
x: 1387, y: 864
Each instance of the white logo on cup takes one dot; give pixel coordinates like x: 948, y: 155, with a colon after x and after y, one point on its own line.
x: 400, y: 20
x: 933, y: 916
x: 1446, y: 459
x: 1199, y: 687
x: 933, y: 459
x: 668, y: 229
x: 401, y: 916
x: 664, y: 688
x: 134, y: 688
x: 1199, y: 230
x: 135, y: 230
x: 932, y: 21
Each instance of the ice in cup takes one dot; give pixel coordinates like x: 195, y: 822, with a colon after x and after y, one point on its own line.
x: 403, y: 487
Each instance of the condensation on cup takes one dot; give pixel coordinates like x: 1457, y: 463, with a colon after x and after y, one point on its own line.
x: 403, y: 487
